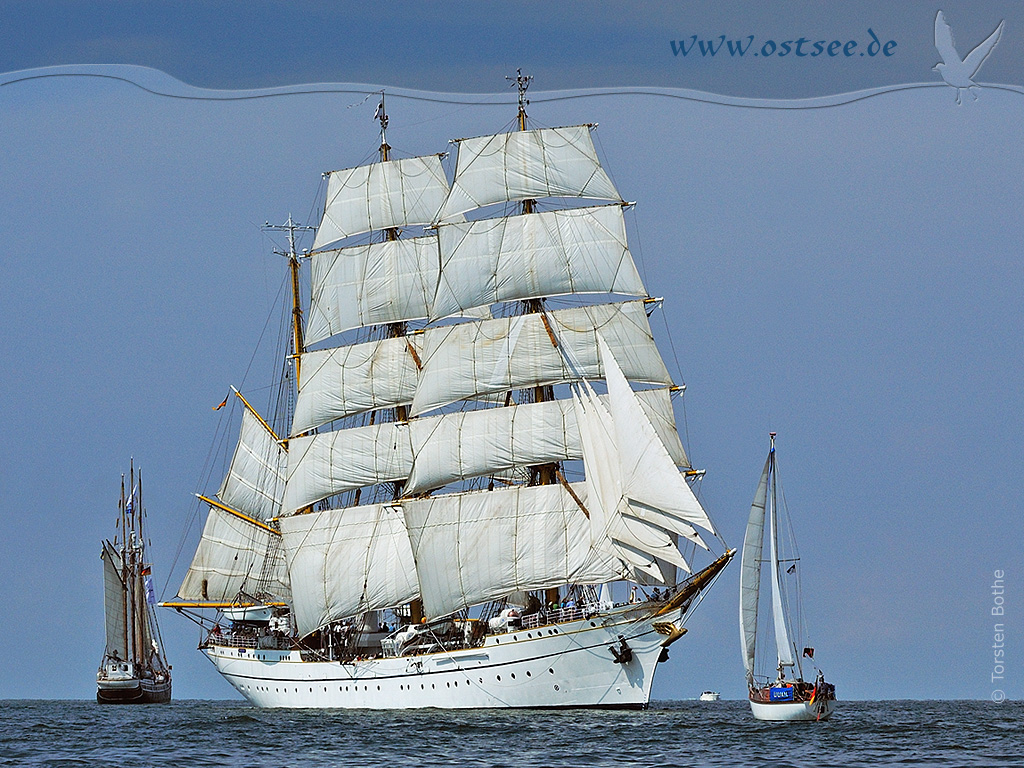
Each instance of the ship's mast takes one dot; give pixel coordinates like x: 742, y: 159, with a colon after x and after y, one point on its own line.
x: 394, y: 331
x: 543, y: 474
x: 400, y: 329
x: 298, y: 345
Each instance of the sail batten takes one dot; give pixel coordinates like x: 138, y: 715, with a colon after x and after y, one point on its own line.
x: 471, y: 359
x: 580, y: 250
x: 397, y: 193
x: 431, y: 452
x: 483, y: 545
x: 345, y: 562
x: 522, y: 165
x: 354, y: 379
x: 389, y: 282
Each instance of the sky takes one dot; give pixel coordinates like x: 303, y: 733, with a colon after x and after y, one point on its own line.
x: 842, y: 269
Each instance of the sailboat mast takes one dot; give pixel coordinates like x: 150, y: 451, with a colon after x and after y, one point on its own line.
x: 125, y: 592
x: 782, y: 643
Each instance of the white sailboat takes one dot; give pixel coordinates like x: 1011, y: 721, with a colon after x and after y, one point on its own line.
x: 788, y: 696
x: 133, y: 669
x: 415, y: 539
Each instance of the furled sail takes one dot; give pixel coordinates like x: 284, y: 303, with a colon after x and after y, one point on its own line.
x: 397, y: 193
x: 750, y: 571
x: 235, y: 555
x: 354, y: 379
x: 579, y: 250
x: 479, y: 546
x: 254, y: 483
x: 472, y: 359
x: 344, y: 562
x: 326, y: 464
x: 114, y: 606
x: 547, y: 162
x: 389, y: 282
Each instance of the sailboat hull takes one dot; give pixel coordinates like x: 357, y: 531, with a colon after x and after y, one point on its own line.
x: 563, y: 665
x: 133, y: 691
x: 792, y: 710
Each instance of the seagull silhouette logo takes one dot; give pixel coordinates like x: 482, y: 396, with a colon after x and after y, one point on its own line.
x: 957, y: 72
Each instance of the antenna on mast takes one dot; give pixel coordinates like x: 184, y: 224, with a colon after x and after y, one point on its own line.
x: 522, y: 82
x: 293, y: 262
x: 382, y: 115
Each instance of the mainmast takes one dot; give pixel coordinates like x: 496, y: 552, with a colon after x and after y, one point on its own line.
x: 542, y: 474
x: 782, y: 642
x: 399, y: 329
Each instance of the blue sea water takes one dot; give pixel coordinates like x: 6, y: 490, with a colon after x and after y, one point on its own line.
x: 670, y: 734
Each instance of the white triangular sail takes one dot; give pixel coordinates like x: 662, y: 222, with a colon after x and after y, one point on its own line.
x: 114, y: 606
x: 472, y: 359
x: 479, y: 546
x: 254, y: 483
x: 580, y: 250
x: 637, y: 544
x: 750, y: 571
x: 389, y: 282
x: 344, y: 562
x: 397, y: 193
x: 650, y: 479
x: 546, y: 162
x: 354, y: 379
x: 235, y: 555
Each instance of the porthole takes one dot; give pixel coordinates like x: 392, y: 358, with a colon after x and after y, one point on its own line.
x: 513, y: 675
x: 528, y: 673
x: 556, y: 687
x: 498, y: 677
x: 551, y: 670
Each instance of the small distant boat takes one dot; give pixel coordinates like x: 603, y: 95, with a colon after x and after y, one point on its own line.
x: 710, y: 696
x: 789, y: 696
x: 133, y: 670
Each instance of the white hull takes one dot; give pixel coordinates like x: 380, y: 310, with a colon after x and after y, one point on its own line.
x: 792, y: 710
x: 562, y: 665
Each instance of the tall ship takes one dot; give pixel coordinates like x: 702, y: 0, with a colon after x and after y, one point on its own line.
x: 133, y: 669
x: 474, y: 493
x: 782, y: 693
